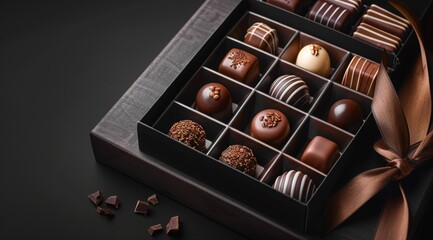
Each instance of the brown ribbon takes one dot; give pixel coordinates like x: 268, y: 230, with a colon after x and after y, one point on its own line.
x: 403, y: 124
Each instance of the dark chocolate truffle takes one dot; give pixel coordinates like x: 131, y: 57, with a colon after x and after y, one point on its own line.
x: 262, y: 36
x: 346, y: 114
x: 315, y: 59
x: 291, y: 89
x: 296, y: 6
x: 240, y: 65
x: 190, y: 133
x: 295, y: 184
x: 360, y: 75
x: 330, y: 15
x: 321, y: 154
x: 214, y: 100
x: 241, y: 158
x: 270, y: 126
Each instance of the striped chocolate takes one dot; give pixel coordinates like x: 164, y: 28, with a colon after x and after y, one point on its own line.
x: 386, y: 20
x: 330, y: 15
x: 290, y: 89
x: 296, y: 185
x: 262, y: 36
x: 377, y: 37
x: 351, y: 5
x: 360, y: 75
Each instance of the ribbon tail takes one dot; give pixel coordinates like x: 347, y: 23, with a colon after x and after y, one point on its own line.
x: 356, y: 193
x: 425, y: 148
x: 394, y: 221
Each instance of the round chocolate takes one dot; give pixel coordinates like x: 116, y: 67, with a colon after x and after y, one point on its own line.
x: 315, y: 59
x: 262, y: 36
x: 214, y: 100
x: 270, y: 126
x: 346, y: 114
x: 295, y: 184
x: 241, y: 158
x: 190, y: 133
x: 291, y: 89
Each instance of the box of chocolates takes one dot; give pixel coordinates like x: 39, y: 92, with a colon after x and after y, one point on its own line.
x: 267, y: 118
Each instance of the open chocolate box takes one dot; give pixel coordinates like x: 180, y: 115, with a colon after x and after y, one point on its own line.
x: 247, y: 204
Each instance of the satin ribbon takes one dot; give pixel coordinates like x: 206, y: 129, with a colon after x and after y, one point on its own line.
x: 405, y: 144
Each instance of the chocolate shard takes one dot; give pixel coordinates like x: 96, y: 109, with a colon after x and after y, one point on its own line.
x: 96, y: 197
x: 153, y: 199
x: 154, y: 229
x: 142, y: 207
x: 113, y: 201
x: 173, y: 225
x: 104, y: 211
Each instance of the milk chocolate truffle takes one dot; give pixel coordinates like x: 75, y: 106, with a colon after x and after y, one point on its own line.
x: 330, y: 15
x: 360, y: 75
x: 270, y: 126
x: 214, y: 100
x: 190, y: 133
x: 346, y: 114
x: 291, y: 89
x: 241, y: 158
x: 262, y: 36
x: 296, y: 6
x: 321, y: 153
x: 240, y: 65
x: 315, y: 59
x: 295, y: 184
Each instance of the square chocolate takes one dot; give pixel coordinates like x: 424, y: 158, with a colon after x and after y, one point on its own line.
x: 321, y: 153
x: 240, y: 65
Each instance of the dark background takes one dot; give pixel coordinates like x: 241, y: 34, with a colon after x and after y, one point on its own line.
x: 63, y: 64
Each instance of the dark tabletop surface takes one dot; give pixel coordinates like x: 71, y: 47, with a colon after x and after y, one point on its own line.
x: 63, y: 64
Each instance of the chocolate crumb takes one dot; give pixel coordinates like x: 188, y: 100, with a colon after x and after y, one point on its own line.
x: 113, y: 201
x: 154, y: 229
x: 104, y: 211
x: 96, y: 197
x: 173, y: 225
x: 141, y: 207
x: 153, y: 199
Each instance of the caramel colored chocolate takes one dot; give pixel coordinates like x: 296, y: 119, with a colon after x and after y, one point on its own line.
x: 291, y: 89
x: 360, y: 75
x: 330, y: 15
x: 270, y: 126
x: 296, y: 6
x: 315, y: 59
x: 346, y: 114
x: 190, y: 133
x: 321, y: 154
x: 262, y: 36
x: 214, y: 100
x: 240, y: 65
x: 241, y: 158
x: 295, y: 184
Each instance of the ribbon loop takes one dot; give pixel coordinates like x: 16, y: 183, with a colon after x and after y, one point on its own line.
x: 402, y: 164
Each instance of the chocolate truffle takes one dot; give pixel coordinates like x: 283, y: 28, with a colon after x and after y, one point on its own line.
x: 214, y: 100
x: 321, y: 154
x: 296, y: 6
x: 360, y: 75
x: 346, y: 114
x: 315, y: 59
x: 291, y: 89
x: 240, y: 65
x: 295, y: 184
x: 190, y: 133
x: 330, y: 15
x: 270, y: 126
x: 241, y: 158
x: 262, y: 36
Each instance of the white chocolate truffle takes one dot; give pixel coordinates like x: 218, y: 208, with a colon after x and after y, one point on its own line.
x: 315, y: 59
